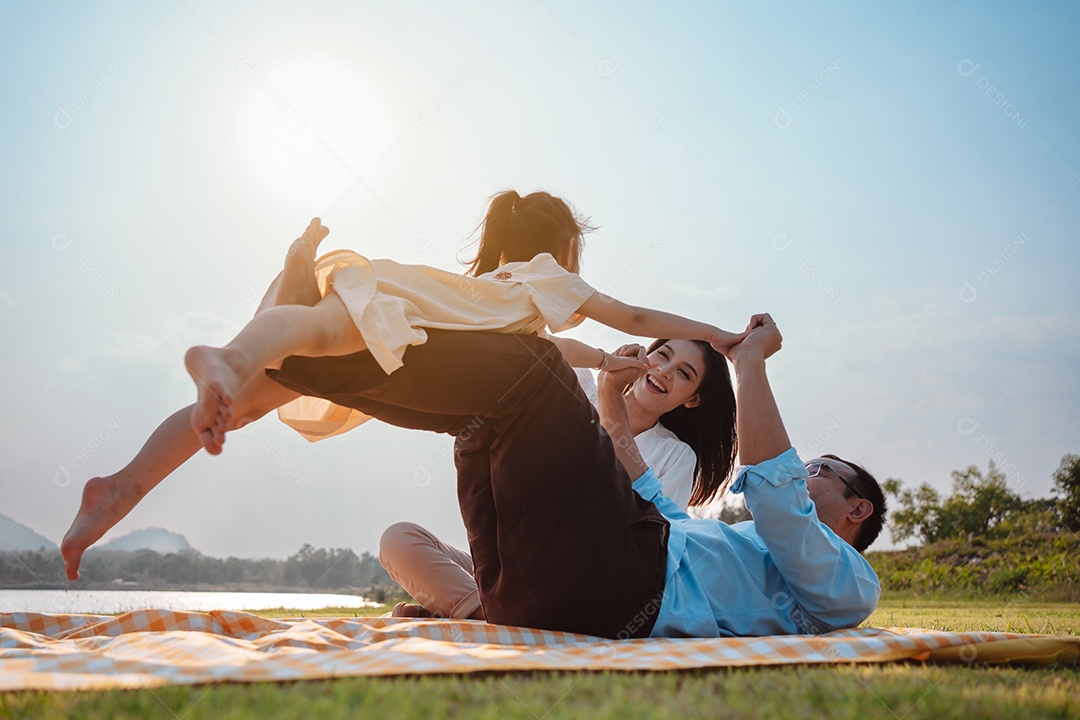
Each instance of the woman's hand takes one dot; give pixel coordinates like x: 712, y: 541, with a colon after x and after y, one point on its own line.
x: 635, y: 358
x: 612, y: 405
x: 624, y: 366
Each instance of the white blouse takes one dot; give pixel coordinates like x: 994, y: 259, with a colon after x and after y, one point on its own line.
x: 670, y: 458
x: 392, y: 304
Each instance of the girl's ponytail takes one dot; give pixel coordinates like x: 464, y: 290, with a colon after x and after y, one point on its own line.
x: 495, y: 232
x: 517, y: 228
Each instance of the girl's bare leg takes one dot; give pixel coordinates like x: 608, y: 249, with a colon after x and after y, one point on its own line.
x: 106, y: 500
x: 272, y: 335
x: 297, y: 284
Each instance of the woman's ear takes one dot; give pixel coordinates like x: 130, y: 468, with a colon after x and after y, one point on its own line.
x: 693, y: 402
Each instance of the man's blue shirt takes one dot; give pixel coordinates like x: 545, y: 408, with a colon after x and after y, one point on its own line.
x: 782, y: 573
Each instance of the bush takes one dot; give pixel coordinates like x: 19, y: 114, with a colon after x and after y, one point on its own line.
x: 1007, y: 580
x: 1043, y: 565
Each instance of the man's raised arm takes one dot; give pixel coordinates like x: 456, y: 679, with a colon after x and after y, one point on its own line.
x: 828, y: 578
x: 761, y: 430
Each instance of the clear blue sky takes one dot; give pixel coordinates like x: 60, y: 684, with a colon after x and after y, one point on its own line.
x: 894, y: 181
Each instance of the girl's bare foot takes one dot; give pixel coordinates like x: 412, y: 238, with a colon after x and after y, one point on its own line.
x: 218, y: 383
x: 103, y: 505
x: 298, y: 284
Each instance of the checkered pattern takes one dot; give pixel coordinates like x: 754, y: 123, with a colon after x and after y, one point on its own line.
x: 149, y: 648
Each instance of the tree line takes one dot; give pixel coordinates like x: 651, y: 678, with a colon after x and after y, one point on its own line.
x: 982, y: 506
x: 310, y: 568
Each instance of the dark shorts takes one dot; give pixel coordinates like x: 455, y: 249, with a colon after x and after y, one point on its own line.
x: 559, y: 538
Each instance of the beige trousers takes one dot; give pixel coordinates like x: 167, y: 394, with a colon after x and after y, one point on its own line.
x: 437, y: 575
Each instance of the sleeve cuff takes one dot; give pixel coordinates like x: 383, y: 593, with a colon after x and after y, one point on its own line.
x: 778, y: 471
x: 556, y: 292
x: 648, y: 485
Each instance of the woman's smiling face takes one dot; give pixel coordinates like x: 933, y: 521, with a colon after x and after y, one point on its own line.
x: 675, y: 373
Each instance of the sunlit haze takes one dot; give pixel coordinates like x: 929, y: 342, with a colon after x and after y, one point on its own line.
x: 894, y: 182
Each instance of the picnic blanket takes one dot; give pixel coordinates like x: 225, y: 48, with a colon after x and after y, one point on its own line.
x: 150, y: 648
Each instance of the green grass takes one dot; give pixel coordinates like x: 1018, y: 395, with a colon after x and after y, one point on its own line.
x: 1000, y: 614
x: 862, y: 692
x: 1004, y: 614
x: 324, y: 612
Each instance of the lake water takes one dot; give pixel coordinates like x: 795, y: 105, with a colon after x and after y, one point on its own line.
x: 104, y: 602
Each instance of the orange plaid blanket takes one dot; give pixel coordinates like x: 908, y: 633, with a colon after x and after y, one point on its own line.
x: 149, y: 648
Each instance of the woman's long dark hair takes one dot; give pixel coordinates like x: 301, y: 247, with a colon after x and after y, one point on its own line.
x: 708, y: 428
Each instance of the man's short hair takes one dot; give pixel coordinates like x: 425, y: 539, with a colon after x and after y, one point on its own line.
x: 868, y: 487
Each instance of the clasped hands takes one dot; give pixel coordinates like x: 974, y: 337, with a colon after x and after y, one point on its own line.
x: 758, y: 341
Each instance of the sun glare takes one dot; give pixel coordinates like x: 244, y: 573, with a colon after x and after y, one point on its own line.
x: 309, y: 128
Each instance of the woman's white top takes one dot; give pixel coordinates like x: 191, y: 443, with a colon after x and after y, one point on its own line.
x: 673, y: 461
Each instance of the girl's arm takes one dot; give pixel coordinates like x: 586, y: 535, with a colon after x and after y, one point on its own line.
x: 645, y: 322
x: 579, y: 355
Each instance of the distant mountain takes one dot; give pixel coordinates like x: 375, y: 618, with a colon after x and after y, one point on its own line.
x: 15, y: 537
x: 157, y: 539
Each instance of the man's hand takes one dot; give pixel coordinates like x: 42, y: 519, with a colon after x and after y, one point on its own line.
x: 761, y: 430
x: 763, y: 339
x: 723, y: 341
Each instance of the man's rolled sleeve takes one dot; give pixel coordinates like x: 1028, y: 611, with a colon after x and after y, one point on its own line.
x: 829, y: 578
x: 648, y: 487
x: 780, y: 470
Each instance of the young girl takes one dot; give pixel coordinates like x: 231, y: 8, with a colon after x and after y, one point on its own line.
x: 523, y: 278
